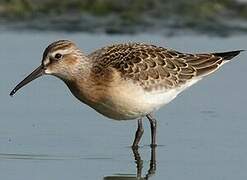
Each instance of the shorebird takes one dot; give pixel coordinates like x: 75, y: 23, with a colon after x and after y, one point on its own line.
x: 126, y: 81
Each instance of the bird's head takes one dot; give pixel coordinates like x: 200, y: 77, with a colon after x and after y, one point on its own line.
x: 61, y: 59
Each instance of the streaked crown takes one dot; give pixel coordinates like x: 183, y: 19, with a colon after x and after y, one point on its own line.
x: 57, y: 49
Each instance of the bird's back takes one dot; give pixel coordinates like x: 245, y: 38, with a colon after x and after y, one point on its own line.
x: 156, y: 67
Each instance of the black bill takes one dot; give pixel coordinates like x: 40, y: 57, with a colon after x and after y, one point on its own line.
x: 35, y: 74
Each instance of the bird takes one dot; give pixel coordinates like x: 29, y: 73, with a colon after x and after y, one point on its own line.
x: 126, y: 81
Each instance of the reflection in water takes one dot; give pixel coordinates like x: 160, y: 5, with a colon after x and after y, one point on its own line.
x: 139, y: 166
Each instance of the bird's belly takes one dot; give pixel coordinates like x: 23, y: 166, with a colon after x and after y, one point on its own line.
x: 126, y: 101
x: 130, y: 101
x: 126, y: 104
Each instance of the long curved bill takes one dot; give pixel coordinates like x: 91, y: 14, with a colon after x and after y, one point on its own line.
x: 35, y: 74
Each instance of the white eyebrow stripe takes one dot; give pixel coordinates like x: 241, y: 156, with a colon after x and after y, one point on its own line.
x: 62, y: 51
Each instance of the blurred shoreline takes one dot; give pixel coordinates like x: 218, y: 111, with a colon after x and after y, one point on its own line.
x: 219, y: 18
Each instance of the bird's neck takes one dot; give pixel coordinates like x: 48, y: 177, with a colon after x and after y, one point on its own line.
x: 79, y: 81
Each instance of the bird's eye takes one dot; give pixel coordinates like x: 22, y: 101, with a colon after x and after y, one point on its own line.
x: 58, y: 56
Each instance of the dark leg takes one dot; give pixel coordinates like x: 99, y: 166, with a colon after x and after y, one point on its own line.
x: 139, y: 133
x: 153, y: 125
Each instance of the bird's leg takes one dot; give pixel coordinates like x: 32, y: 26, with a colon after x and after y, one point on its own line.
x: 139, y: 133
x: 153, y: 124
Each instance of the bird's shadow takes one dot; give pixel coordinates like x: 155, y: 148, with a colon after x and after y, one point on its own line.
x: 139, y: 167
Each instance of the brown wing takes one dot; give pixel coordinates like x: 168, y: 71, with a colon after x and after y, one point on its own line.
x: 205, y: 64
x: 155, y: 67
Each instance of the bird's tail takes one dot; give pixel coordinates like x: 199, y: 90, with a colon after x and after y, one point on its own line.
x: 208, y: 63
x: 228, y: 55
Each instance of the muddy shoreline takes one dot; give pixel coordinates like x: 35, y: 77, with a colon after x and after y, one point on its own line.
x: 220, y: 18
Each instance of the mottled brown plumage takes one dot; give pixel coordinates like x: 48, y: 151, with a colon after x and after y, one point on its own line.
x: 152, y: 66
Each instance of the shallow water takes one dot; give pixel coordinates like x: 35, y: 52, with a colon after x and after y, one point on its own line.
x: 45, y: 133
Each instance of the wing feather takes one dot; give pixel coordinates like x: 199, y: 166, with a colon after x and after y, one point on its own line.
x: 153, y: 66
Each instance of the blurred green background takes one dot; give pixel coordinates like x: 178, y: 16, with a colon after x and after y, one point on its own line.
x: 215, y: 17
